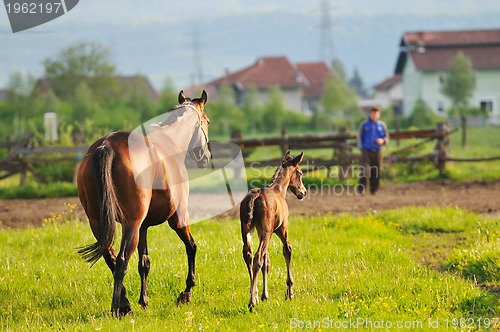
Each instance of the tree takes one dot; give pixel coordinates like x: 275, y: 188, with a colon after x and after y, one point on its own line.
x: 274, y: 110
x: 458, y: 85
x: 84, y: 105
x: 224, y: 115
x: 86, y: 62
x: 340, y: 101
x: 20, y: 103
x: 169, y: 95
x: 422, y: 115
x: 252, y: 109
x: 356, y: 83
x: 338, y: 70
x: 138, y: 101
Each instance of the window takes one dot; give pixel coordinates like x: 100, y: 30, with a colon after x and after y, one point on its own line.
x: 441, y: 79
x: 440, y: 107
x: 486, y: 106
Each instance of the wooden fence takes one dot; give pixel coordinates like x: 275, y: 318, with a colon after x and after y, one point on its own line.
x: 22, y: 158
x: 342, y: 145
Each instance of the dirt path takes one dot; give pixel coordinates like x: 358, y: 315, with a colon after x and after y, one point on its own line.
x: 483, y: 198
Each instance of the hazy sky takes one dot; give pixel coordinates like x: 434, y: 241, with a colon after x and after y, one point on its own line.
x: 156, y: 37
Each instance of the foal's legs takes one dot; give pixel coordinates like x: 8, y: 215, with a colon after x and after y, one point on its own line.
x: 130, y: 237
x: 258, y: 263
x: 144, y: 264
x: 265, y: 270
x: 246, y: 231
x: 282, y: 233
x: 185, y: 235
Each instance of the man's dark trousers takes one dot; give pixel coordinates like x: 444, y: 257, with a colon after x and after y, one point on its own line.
x: 371, y: 162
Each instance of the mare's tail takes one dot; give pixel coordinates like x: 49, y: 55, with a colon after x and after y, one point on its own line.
x: 110, y: 211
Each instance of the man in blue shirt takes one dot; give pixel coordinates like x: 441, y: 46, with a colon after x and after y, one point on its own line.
x: 372, y: 135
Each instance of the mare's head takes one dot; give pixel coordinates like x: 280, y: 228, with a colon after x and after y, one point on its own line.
x: 198, y: 146
x: 291, y: 169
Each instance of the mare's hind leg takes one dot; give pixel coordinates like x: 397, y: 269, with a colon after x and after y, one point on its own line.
x: 110, y: 259
x: 130, y: 237
x: 185, y: 235
x: 144, y: 264
x: 282, y: 233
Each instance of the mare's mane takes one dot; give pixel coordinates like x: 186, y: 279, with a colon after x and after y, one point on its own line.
x: 176, y: 113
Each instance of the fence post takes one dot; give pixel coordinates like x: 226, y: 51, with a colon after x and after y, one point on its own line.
x: 9, y: 144
x: 442, y: 149
x: 235, y: 136
x: 284, y: 141
x: 24, y: 170
x: 396, y: 124
x: 344, y: 156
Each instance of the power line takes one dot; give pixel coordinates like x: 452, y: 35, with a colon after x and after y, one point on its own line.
x: 327, y: 49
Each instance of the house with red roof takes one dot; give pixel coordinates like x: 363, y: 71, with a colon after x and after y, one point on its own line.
x: 301, y: 84
x: 424, y: 57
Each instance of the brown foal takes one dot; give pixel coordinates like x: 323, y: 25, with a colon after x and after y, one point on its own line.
x: 266, y: 210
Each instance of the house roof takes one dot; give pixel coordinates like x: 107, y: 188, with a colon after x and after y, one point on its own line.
x: 316, y: 74
x: 387, y: 83
x: 137, y: 83
x: 278, y: 70
x: 434, y: 50
x: 264, y: 73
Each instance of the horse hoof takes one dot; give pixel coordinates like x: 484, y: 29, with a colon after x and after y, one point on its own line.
x: 184, y: 297
x: 289, y: 295
x: 122, y: 312
x: 143, y: 303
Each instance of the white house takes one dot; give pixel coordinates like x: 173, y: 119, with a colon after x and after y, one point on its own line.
x: 389, y: 93
x: 425, y: 56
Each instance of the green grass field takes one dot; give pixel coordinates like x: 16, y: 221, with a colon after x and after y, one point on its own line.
x: 348, y: 270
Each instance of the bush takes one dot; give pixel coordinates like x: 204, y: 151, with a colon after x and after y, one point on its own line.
x: 58, y: 172
x: 51, y: 190
x: 422, y: 116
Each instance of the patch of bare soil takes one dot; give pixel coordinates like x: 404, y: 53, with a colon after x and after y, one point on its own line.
x: 479, y: 197
x: 482, y: 198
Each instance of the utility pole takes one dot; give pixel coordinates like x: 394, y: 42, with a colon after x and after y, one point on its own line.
x: 327, y: 50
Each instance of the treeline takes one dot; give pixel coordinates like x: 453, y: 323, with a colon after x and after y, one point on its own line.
x: 80, y: 85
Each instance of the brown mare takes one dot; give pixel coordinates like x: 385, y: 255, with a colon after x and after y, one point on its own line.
x: 140, y: 181
x: 266, y: 210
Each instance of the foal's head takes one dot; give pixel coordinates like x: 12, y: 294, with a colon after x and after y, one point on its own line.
x: 199, y: 149
x: 292, y: 170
